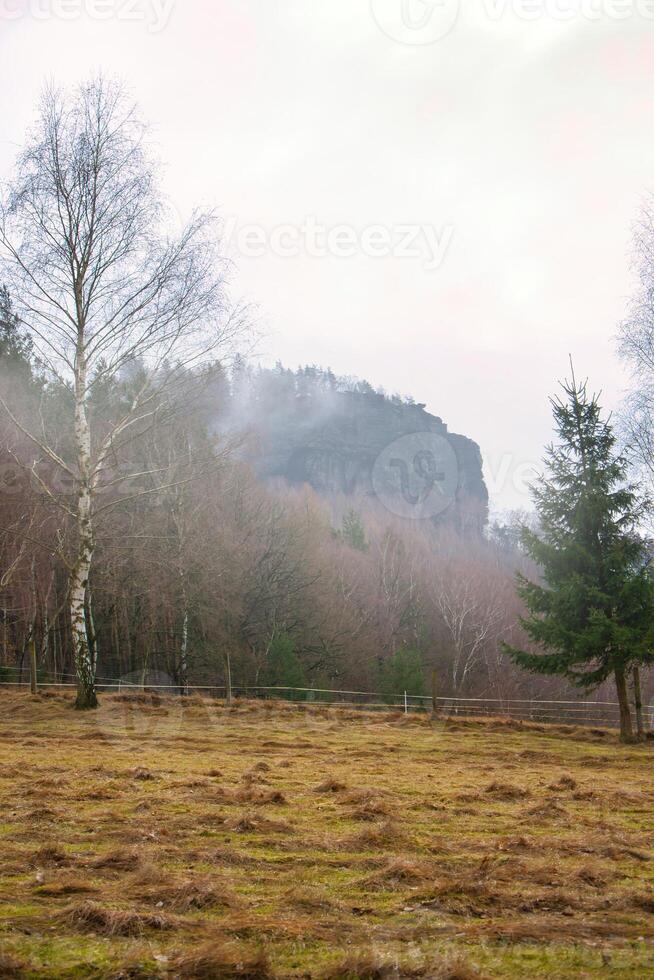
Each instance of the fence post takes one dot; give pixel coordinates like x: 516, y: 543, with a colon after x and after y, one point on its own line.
x: 33, y: 680
x: 406, y: 706
x: 434, y: 691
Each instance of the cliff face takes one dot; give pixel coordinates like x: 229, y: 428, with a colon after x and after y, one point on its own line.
x: 366, y: 444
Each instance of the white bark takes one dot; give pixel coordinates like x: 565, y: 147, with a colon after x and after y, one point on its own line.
x: 183, y: 653
x: 79, y: 579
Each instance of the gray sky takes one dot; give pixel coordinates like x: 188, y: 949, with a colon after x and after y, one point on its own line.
x: 518, y: 134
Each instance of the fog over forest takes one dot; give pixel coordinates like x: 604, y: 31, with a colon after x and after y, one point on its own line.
x: 173, y: 508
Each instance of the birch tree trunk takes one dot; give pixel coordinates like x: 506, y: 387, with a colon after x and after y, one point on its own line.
x: 79, y: 579
x: 183, y: 653
x: 33, y: 667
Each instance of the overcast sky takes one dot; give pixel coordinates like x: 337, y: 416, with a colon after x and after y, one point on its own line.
x: 505, y: 147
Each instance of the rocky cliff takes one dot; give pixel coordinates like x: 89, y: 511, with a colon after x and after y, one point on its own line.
x: 364, y: 443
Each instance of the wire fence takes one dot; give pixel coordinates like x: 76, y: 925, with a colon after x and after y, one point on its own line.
x: 589, y: 713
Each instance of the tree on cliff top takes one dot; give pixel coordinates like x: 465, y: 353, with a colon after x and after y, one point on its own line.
x: 593, y: 613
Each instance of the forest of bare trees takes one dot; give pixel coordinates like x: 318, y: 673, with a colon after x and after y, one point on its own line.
x: 134, y: 535
x: 200, y: 569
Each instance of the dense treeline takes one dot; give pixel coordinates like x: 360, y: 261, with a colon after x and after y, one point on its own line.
x: 136, y: 538
x: 200, y: 568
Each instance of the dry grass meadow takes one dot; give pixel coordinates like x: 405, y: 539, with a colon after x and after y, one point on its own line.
x: 160, y: 839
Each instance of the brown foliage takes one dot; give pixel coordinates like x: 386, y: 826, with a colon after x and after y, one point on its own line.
x: 397, y: 873
x: 50, y: 855
x: 230, y: 857
x: 120, y: 860
x: 371, y: 966
x: 222, y: 960
x: 382, y: 835
x: 309, y: 899
x: 186, y: 895
x: 505, y: 791
x: 260, y: 797
x: 311, y: 889
x: 370, y: 810
x: 330, y: 786
x: 71, y: 886
x: 92, y: 917
x: 11, y: 968
x: 144, y: 775
x: 254, y: 823
x: 565, y: 782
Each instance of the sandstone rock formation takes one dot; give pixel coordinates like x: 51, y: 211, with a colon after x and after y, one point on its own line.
x: 333, y: 441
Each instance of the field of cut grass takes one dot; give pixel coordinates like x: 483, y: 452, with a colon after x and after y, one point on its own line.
x: 155, y: 838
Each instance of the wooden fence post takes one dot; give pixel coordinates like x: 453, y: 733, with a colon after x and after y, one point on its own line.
x: 434, y: 691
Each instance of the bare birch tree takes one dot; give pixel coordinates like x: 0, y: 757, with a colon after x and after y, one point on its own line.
x: 636, y: 345
x: 101, y: 287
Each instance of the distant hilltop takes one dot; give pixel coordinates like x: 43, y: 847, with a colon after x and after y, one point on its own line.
x: 342, y: 436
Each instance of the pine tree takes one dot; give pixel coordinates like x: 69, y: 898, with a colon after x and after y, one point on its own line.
x: 593, y: 611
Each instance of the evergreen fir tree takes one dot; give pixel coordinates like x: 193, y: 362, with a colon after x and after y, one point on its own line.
x: 593, y: 611
x: 404, y: 672
x: 353, y: 531
x: 283, y: 668
x: 16, y: 351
